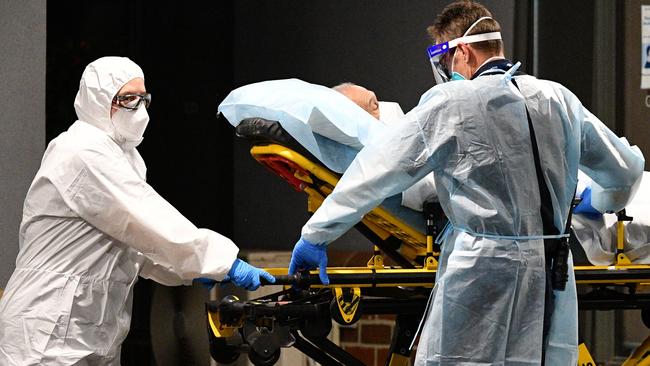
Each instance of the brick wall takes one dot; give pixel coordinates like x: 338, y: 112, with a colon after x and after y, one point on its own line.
x: 369, y: 338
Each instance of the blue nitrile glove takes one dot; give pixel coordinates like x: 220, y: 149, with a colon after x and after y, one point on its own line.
x: 585, y: 207
x: 244, y: 275
x: 205, y: 282
x: 309, y: 256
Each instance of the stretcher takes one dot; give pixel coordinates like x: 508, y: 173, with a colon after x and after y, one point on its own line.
x: 301, y: 315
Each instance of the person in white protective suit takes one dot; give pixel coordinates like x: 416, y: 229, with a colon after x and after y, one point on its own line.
x: 505, y: 150
x: 91, y: 225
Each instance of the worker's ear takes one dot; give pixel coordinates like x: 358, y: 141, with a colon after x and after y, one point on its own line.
x: 464, y: 54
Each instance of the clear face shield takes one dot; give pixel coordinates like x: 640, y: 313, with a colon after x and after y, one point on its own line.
x: 439, y: 53
x: 436, y: 53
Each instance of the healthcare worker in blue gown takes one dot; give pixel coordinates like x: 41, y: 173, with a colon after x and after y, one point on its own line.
x: 488, y: 304
x: 91, y: 225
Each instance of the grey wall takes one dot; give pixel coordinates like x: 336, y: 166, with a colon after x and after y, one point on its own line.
x: 22, y: 120
x: 379, y: 44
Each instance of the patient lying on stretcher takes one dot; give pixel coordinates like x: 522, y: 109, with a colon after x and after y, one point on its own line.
x: 333, y: 129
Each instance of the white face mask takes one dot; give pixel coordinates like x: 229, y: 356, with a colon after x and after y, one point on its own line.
x: 129, y: 126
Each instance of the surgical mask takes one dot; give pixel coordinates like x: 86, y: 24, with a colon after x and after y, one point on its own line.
x: 456, y: 76
x: 129, y: 126
x: 436, y: 52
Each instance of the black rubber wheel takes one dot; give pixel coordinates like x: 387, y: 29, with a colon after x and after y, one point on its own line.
x: 645, y: 317
x: 262, y: 360
x: 221, y: 351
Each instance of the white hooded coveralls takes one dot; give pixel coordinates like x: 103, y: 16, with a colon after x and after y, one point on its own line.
x: 91, y: 224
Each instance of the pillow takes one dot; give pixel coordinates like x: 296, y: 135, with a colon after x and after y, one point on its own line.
x: 325, y: 122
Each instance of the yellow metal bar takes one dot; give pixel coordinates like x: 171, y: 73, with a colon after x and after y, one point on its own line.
x: 614, y: 269
x: 397, y: 227
x: 412, y: 252
x: 611, y: 268
x: 361, y: 271
x: 621, y: 258
x: 640, y: 356
x: 398, y: 360
x: 584, y: 358
x: 430, y: 262
x: 217, y: 328
x: 366, y: 270
x: 381, y: 233
x: 620, y: 235
x: 316, y: 169
x: 379, y: 216
x: 314, y: 199
x: 279, y: 271
x: 613, y: 283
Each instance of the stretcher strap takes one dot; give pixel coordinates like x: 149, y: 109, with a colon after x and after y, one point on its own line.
x: 546, y: 211
x: 546, y: 205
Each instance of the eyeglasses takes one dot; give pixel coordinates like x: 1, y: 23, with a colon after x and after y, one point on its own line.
x: 132, y: 101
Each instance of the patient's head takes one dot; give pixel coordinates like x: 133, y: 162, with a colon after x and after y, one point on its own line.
x: 361, y: 96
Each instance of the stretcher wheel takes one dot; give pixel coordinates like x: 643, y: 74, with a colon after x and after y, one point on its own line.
x: 222, y: 352
x: 645, y: 317
x: 263, y: 360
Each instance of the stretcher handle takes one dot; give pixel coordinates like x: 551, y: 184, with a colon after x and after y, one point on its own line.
x: 305, y: 279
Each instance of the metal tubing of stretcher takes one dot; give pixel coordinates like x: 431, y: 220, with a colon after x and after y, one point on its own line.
x: 613, y: 300
x: 401, y: 306
x: 612, y: 274
x: 359, y: 278
x: 335, y: 351
x: 312, y: 351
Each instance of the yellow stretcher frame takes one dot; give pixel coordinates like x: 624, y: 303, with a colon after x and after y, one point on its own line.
x: 318, y: 182
x: 384, y: 224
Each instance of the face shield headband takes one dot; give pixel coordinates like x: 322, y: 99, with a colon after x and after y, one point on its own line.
x: 437, y: 51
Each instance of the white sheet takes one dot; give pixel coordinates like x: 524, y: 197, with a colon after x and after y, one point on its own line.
x: 318, y: 117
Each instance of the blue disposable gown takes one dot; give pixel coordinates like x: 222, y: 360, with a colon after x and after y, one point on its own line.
x: 488, y: 303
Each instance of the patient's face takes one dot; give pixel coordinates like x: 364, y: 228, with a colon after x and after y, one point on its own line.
x: 364, y: 98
